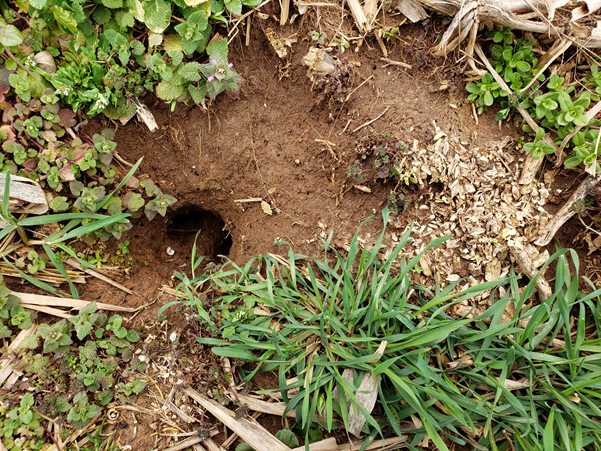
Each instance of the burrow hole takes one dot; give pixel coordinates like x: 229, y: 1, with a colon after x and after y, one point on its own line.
x: 212, y: 241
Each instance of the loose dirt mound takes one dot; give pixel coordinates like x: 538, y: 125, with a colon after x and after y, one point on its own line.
x: 268, y: 141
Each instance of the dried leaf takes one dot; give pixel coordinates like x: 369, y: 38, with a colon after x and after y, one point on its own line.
x: 379, y: 351
x: 276, y: 42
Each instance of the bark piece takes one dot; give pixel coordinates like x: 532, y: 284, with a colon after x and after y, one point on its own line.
x: 527, y: 267
x: 567, y: 211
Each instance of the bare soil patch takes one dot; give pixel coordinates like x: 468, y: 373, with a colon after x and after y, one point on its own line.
x: 261, y: 143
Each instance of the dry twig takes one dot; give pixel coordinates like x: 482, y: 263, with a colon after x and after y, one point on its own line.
x: 373, y: 120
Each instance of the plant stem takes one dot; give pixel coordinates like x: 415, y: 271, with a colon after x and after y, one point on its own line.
x: 7, y: 50
x: 51, y: 436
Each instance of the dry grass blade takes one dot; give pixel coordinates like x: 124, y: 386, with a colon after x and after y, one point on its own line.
x: 91, y: 272
x: 26, y: 191
x: 377, y: 445
x: 395, y: 63
x: 367, y: 394
x: 527, y: 267
x: 48, y: 310
x: 254, y: 434
x: 412, y: 10
x: 328, y: 444
x: 567, y: 211
x: 79, y: 432
x: 284, y: 12
x: 28, y: 299
x: 271, y: 408
x: 589, y: 7
x: 558, y: 49
x: 359, y: 15
x: 190, y: 442
x: 49, y: 275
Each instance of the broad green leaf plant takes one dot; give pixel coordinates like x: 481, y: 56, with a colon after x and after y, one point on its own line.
x: 72, y: 383
x: 560, y: 107
x: 78, y: 224
x: 99, y: 54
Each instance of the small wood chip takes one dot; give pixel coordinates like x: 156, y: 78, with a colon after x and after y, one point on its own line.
x: 363, y: 188
x: 266, y: 208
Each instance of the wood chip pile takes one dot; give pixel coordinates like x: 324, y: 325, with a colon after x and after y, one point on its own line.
x: 481, y: 203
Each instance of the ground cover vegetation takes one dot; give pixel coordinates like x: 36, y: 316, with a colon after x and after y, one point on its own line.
x: 559, y: 104
x: 64, y: 59
x: 74, y: 368
x: 62, y: 63
x: 496, y: 381
x: 99, y: 55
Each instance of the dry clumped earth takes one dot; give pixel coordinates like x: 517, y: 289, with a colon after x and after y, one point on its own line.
x: 277, y: 140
